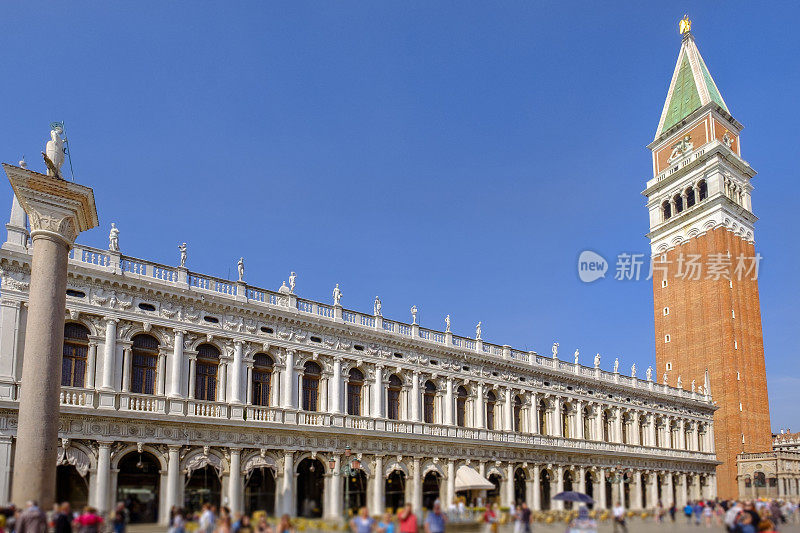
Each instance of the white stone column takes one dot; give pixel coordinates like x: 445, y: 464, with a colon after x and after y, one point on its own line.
x: 379, y: 490
x: 235, y: 488
x: 192, y: 375
x: 558, y: 429
x: 160, y: 374
x: 448, y: 405
x: 558, y: 471
x: 451, y: 484
x: 601, y: 481
x: 480, y: 407
x: 651, y: 430
x: 335, y: 402
x: 712, y: 486
x: 377, y: 390
x: 335, y: 499
x: 127, y: 365
x: 508, y: 424
x: 249, y: 385
x: 509, y: 496
x: 617, y: 425
x: 288, y: 384
x: 578, y: 433
x: 103, y: 477
x: 222, y: 380
x: 177, y: 368
x: 636, y: 500
x: 287, y: 483
x: 537, y: 487
x: 416, y: 480
x: 174, y: 481
x: 236, y: 374
x: 91, y: 364
x: 681, y: 444
x: 667, y: 500
x: 415, y: 397
x: 109, y: 351
x: 582, y: 480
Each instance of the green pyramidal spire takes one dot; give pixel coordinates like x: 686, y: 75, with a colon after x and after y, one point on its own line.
x: 691, y: 87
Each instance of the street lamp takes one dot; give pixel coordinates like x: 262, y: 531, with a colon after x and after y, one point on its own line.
x: 348, y: 469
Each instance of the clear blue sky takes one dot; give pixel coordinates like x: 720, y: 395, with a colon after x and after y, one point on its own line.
x: 453, y: 155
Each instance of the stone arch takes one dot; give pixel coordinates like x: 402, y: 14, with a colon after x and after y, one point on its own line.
x: 257, y: 459
x: 155, y: 452
x: 322, y: 458
x: 396, y: 465
x: 496, y: 470
x: 78, y: 455
x: 213, y: 342
x: 138, y: 329
x: 199, y: 458
x: 431, y: 466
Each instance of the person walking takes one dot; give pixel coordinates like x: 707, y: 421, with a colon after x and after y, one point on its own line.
x: 363, y: 522
x: 619, y: 517
x: 583, y: 523
x: 89, y: 521
x: 490, y: 517
x: 32, y: 519
x: 62, y: 523
x: 525, y: 515
x: 407, y: 520
x: 436, y: 519
x: 687, y: 511
x: 386, y: 525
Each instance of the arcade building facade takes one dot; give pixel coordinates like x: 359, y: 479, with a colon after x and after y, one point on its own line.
x: 180, y: 388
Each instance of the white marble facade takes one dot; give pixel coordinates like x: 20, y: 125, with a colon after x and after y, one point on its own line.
x: 186, y: 384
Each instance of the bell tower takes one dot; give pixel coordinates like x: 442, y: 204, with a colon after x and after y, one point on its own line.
x: 705, y: 288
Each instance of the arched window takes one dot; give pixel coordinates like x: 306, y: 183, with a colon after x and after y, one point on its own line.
x: 144, y: 362
x: 666, y: 209
x: 205, y: 383
x: 517, y: 413
x: 73, y: 360
x: 311, y: 374
x: 626, y: 422
x: 703, y: 190
x: 427, y: 402
x: 606, y: 427
x: 690, y: 200
x: 461, y: 406
x: 678, y: 203
x: 262, y: 378
x: 355, y: 384
x: 491, y: 405
x: 542, y: 413
x: 565, y: 421
x: 393, y: 397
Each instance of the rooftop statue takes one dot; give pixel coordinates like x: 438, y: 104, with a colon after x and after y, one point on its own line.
x: 478, y: 331
x: 414, y: 312
x: 633, y: 370
x: 680, y: 383
x: 616, y: 365
x: 576, y: 354
x: 292, y: 282
x: 665, y: 378
x: 377, y: 307
x: 649, y: 373
x: 337, y: 296
x: 240, y: 267
x: 597, y: 361
x: 113, y: 238
x: 555, y: 350
x: 182, y: 249
x: 447, y: 323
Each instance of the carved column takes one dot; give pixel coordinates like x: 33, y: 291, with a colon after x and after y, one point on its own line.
x: 480, y: 407
x: 448, y: 403
x: 192, y: 375
x: 509, y: 495
x: 57, y: 211
x: 534, y: 415
x: 378, y: 490
x: 174, y: 481
x: 377, y: 399
x: 236, y: 374
x: 160, y: 373
x: 177, y: 367
x: 335, y: 502
x: 537, y: 488
x: 558, y: 427
x: 415, y: 397
x: 451, y: 483
x: 127, y: 368
x: 235, y: 488
x: 508, y: 412
x: 287, y: 483
x: 416, y: 480
x: 335, y: 402
x: 103, y: 476
x: 288, y: 384
x: 601, y: 481
x: 109, y: 351
x: 222, y: 380
x: 91, y: 364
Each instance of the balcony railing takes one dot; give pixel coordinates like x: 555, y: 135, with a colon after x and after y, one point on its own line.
x: 85, y: 401
x: 181, y: 278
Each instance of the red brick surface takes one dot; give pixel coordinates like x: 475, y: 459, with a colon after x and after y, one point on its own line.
x: 702, y: 331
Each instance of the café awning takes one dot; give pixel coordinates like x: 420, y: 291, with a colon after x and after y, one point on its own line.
x: 468, y: 479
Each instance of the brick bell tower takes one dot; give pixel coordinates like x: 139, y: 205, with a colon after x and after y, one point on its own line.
x: 705, y: 288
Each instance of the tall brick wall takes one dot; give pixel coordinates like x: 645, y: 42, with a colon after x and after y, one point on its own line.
x: 706, y: 317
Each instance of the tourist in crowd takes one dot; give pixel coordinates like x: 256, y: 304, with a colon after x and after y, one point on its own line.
x: 525, y: 516
x: 207, y: 519
x: 262, y: 526
x: 673, y: 509
x: 745, y: 523
x: 583, y: 523
x: 224, y: 522
x: 386, y: 525
x: 285, y: 525
x: 407, y: 519
x: 697, y: 510
x: 89, y: 521
x: 491, y: 517
x: 731, y: 516
x: 619, y: 517
x: 62, y: 522
x: 177, y: 524
x: 436, y: 520
x: 708, y: 514
x: 362, y: 522
x: 32, y: 519
x: 119, y: 518
x: 688, y: 510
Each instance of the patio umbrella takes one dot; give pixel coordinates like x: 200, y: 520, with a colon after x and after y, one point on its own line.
x: 570, y: 496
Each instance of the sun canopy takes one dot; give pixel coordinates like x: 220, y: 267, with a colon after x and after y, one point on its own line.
x: 468, y: 479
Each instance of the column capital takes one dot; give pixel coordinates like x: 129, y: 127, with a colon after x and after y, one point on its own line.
x: 110, y: 320
x: 56, y: 208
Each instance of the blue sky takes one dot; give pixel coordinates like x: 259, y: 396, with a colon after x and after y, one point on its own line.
x: 453, y: 155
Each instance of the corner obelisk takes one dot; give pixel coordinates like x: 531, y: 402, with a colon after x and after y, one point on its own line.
x: 58, y: 210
